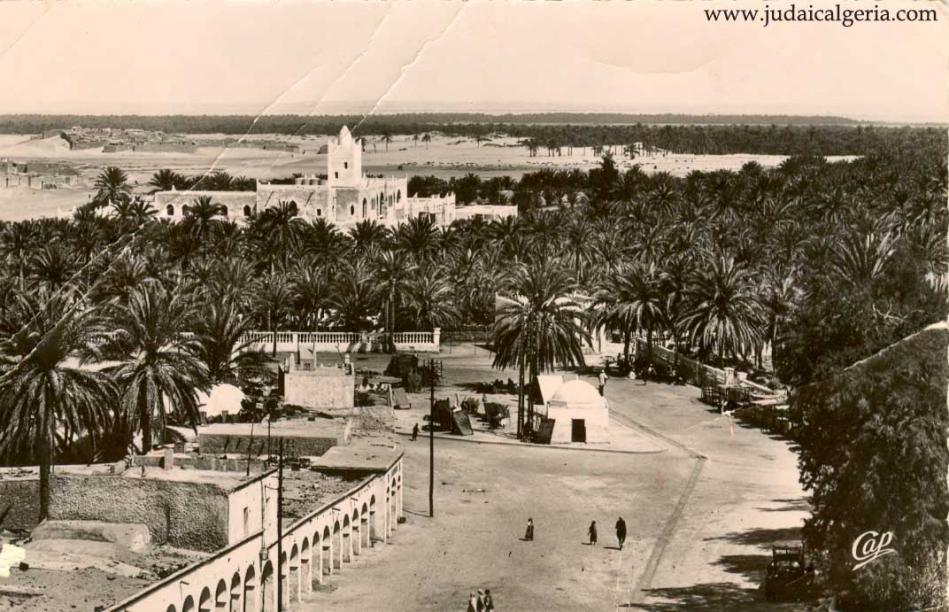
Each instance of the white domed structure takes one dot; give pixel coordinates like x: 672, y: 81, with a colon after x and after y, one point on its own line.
x: 577, y: 393
x: 221, y: 399
x: 578, y: 411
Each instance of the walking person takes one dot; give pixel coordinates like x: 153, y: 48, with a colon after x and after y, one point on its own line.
x: 621, y: 532
x: 592, y: 531
x: 480, y: 600
x: 488, y: 601
x: 529, y: 535
x: 415, y: 432
x: 602, y: 378
x: 472, y: 603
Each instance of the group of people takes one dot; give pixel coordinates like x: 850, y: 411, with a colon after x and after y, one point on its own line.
x: 482, y: 602
x: 620, y: 532
x: 591, y: 531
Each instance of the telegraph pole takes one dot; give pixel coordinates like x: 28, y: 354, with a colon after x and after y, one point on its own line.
x: 431, y: 442
x: 280, y: 529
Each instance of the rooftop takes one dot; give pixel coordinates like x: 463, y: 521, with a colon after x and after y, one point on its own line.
x: 372, y: 458
x: 317, y: 428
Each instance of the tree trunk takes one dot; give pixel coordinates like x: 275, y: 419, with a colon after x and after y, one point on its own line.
x: 45, y: 462
x: 520, y: 398
x: 146, y: 419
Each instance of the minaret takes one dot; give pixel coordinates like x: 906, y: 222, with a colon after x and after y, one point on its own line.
x: 344, y: 160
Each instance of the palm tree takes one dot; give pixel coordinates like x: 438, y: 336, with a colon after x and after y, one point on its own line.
x: 354, y: 297
x: 367, y: 236
x: 430, y: 298
x: 861, y: 259
x: 418, y: 238
x: 201, y: 217
x: 17, y: 244
x: 579, y: 244
x: 219, y: 344
x: 539, y: 325
x: 166, y: 180
x: 725, y: 314
x: 322, y: 241
x: 393, y: 275
x: 276, y: 233
x: 161, y: 372
x: 112, y: 185
x: 632, y: 301
x: 133, y: 213
x: 116, y: 284
x: 54, y: 266
x: 386, y: 138
x: 272, y: 299
x: 43, y: 391
x: 426, y: 138
x: 309, y: 290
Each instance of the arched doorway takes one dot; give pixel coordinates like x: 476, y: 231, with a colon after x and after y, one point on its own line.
x: 170, y: 210
x: 246, y: 211
x: 268, y: 589
x: 373, y: 522
x: 293, y: 575
x: 347, y: 552
x: 188, y: 605
x: 235, y: 594
x: 326, y: 552
x: 284, y: 581
x: 249, y: 600
x: 337, y: 546
x: 171, y: 608
x: 356, y: 539
x: 306, y: 567
x: 221, y: 597
x: 364, y: 526
x: 204, y: 602
x: 364, y: 208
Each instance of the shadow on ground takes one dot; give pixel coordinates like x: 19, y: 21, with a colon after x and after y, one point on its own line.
x: 750, y: 567
x: 762, y: 537
x: 717, y: 596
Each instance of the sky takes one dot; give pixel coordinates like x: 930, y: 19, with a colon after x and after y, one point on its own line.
x: 649, y: 56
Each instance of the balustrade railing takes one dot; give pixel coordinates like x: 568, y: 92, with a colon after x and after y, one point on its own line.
x: 332, y: 340
x: 345, y: 341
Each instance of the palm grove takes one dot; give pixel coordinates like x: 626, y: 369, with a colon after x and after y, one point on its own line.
x: 825, y: 263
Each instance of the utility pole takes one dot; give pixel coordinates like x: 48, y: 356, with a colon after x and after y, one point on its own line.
x: 431, y: 441
x: 280, y: 529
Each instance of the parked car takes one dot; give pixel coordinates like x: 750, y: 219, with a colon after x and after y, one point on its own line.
x: 788, y: 575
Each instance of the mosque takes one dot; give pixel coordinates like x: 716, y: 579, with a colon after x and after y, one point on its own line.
x: 344, y: 197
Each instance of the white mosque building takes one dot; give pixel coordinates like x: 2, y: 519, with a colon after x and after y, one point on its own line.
x: 345, y: 197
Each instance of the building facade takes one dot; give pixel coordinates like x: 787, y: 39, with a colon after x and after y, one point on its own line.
x: 344, y: 197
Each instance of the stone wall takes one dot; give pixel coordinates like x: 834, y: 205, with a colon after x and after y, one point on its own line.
x: 20, y: 499
x: 319, y: 388
x: 306, y: 446
x: 183, y: 514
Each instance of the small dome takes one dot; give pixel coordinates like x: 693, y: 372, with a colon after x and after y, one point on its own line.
x: 222, y: 398
x: 577, y: 392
